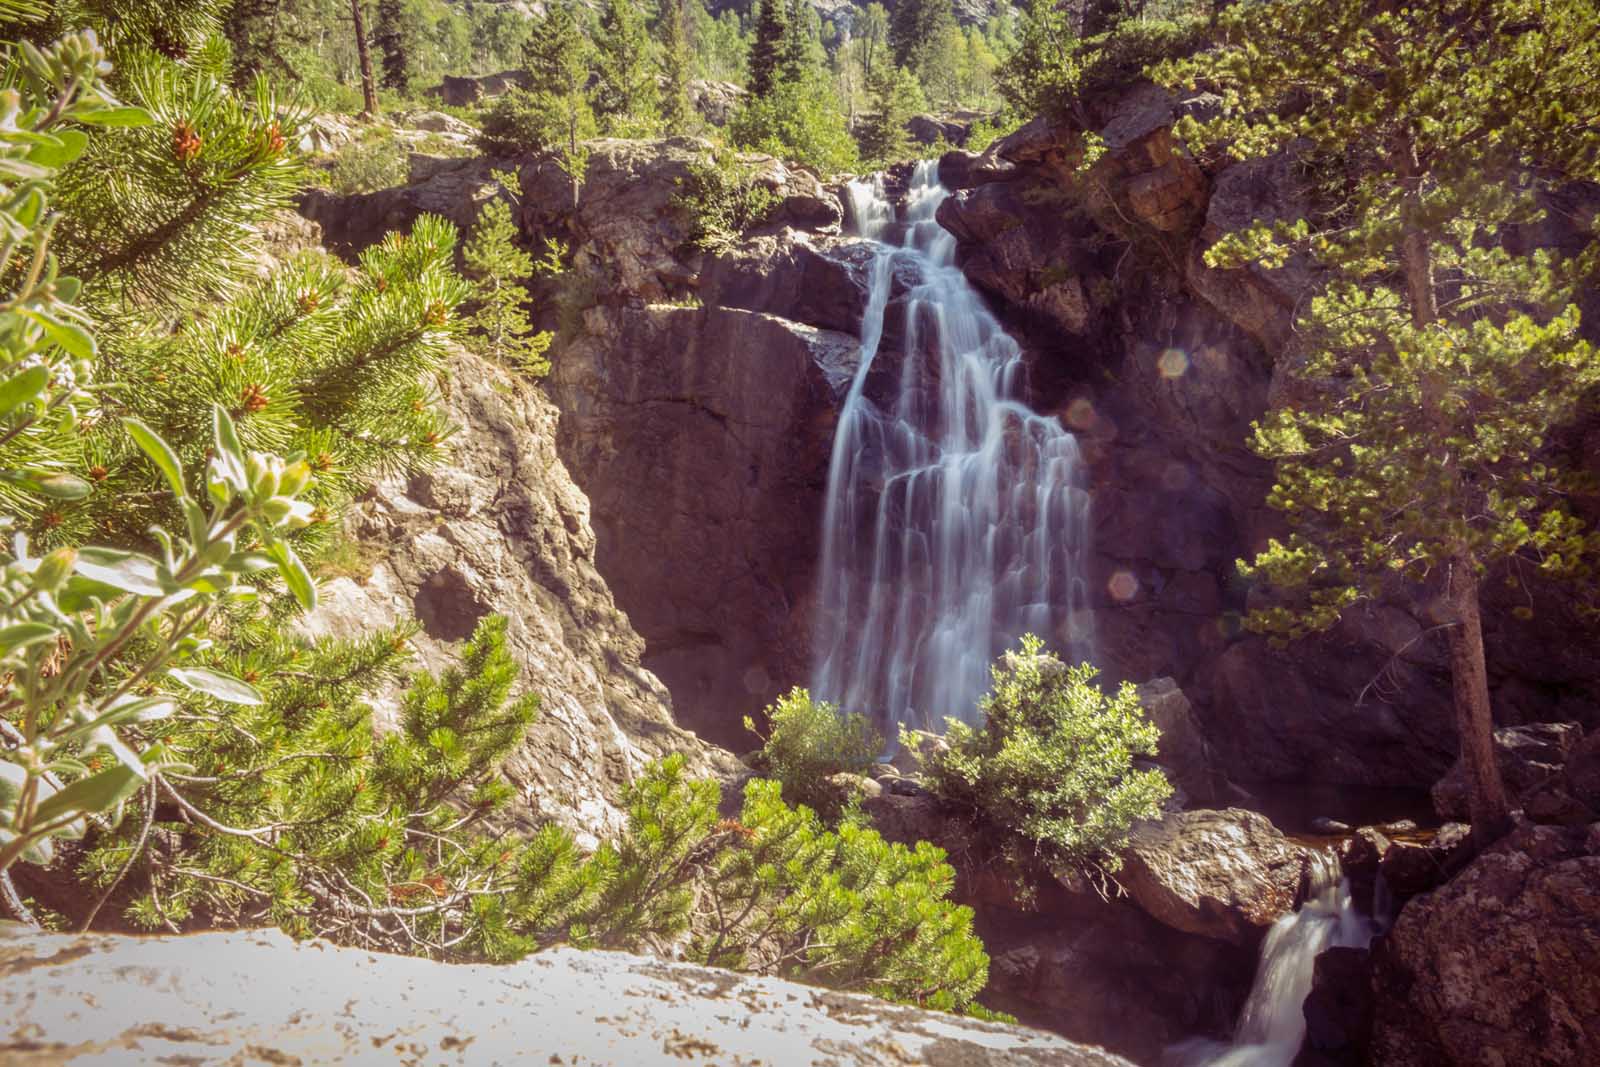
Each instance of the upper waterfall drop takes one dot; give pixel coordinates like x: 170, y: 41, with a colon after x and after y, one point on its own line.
x: 956, y: 517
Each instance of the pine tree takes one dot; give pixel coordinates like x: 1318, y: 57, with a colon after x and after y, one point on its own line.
x: 677, y: 112
x: 915, y: 29
x: 625, y: 96
x: 766, y: 54
x: 896, y: 97
x: 558, y: 59
x: 1436, y: 361
x: 500, y: 270
x: 392, y: 45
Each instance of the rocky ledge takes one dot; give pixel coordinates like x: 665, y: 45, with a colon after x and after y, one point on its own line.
x: 259, y: 997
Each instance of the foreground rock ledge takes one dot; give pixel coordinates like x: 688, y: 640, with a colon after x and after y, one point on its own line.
x: 257, y: 997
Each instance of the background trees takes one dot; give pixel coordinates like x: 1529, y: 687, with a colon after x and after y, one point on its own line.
x: 1434, y: 362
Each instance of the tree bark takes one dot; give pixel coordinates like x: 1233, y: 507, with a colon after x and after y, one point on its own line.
x: 1469, y: 674
x: 369, y: 89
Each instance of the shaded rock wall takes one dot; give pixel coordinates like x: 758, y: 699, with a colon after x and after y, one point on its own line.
x: 258, y: 997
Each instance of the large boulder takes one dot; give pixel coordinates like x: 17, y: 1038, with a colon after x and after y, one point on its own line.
x: 1221, y: 874
x: 258, y: 997
x: 1501, y: 965
x: 1529, y: 756
x: 501, y: 528
x: 1182, y: 752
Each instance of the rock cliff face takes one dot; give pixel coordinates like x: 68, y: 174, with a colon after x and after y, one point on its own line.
x: 1501, y: 965
x: 697, y: 397
x: 501, y: 528
x: 258, y: 997
x: 1160, y: 364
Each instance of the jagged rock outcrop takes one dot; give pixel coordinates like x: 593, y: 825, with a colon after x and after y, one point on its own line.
x: 258, y: 997
x: 1501, y: 965
x: 501, y: 528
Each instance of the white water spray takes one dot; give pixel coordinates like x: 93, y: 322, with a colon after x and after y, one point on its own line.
x: 1272, y: 1026
x: 956, y: 517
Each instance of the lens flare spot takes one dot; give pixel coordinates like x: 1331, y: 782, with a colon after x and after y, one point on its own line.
x: 1122, y: 586
x: 1080, y: 414
x: 1172, y: 363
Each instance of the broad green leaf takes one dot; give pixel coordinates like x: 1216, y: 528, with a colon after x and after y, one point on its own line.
x: 113, y: 116
x: 74, y: 340
x: 127, y: 571
x: 221, y: 686
x: 295, y: 574
x: 59, y: 486
x: 153, y: 446
x: 96, y: 793
x: 23, y: 634
x: 20, y: 388
x: 59, y: 149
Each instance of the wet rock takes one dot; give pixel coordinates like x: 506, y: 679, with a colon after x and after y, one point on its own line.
x: 1409, y: 867
x: 258, y: 997
x: 1182, y: 752
x: 1324, y: 825
x: 1500, y: 965
x: 1221, y: 874
x: 1360, y: 858
x: 1529, y: 756
x: 1582, y: 772
x: 1338, y: 1009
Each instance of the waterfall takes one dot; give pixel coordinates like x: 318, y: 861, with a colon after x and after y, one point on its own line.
x: 956, y: 517
x: 1273, y: 1025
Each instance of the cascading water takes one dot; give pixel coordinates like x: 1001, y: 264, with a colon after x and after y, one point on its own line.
x: 956, y: 517
x: 1273, y: 1025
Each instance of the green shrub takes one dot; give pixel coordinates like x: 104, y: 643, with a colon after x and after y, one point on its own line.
x: 519, y: 121
x: 500, y: 271
x: 368, y: 165
x: 1052, y: 765
x: 800, y: 121
x: 810, y: 741
x: 775, y: 892
x: 721, y: 201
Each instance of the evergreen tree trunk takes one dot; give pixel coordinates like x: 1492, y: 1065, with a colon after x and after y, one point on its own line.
x: 1469, y: 674
x: 369, y: 90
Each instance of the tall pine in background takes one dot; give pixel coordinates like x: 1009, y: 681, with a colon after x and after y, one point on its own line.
x: 767, y: 52
x: 1432, y: 368
x: 677, y: 59
x: 626, y: 99
x: 393, y: 46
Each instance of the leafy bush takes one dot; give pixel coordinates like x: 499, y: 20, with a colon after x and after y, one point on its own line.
x: 368, y: 165
x: 1052, y: 764
x: 1052, y: 68
x: 810, y: 741
x: 721, y: 200
x: 799, y: 121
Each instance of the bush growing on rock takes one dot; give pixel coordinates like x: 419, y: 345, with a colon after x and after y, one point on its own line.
x: 722, y: 200
x: 1053, y: 763
x: 775, y: 892
x: 810, y: 741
